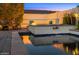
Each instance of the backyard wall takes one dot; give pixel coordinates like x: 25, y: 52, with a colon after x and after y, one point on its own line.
x: 44, y: 19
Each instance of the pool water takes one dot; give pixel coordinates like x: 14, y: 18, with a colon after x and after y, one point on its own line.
x: 54, y: 44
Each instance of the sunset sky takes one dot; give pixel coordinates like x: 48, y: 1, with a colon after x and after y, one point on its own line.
x: 49, y: 6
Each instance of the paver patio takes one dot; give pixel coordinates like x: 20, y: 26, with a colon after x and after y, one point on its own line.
x: 10, y: 43
x: 5, y: 42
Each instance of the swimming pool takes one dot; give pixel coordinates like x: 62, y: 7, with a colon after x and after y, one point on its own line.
x: 54, y: 44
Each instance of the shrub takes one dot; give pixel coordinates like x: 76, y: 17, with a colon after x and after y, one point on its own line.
x: 50, y: 22
x: 77, y: 25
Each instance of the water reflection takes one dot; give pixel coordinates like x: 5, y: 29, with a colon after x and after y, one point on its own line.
x: 58, y: 45
x: 69, y: 48
x: 26, y: 40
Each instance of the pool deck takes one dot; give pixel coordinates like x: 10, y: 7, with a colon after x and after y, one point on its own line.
x: 17, y: 46
x: 5, y: 42
x: 12, y: 44
x: 40, y: 30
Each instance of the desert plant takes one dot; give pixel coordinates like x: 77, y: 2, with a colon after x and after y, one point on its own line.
x: 30, y: 23
x: 77, y: 26
x: 50, y: 22
x: 65, y: 19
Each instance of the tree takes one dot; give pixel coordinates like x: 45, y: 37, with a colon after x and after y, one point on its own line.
x: 10, y: 12
x: 72, y: 19
x: 69, y: 19
x: 65, y: 19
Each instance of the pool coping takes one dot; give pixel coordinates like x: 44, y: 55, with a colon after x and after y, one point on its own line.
x: 36, y: 35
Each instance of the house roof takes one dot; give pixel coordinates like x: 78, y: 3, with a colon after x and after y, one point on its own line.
x: 38, y: 11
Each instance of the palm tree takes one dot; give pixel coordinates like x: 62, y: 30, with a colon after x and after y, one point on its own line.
x: 76, y: 11
x: 66, y: 19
